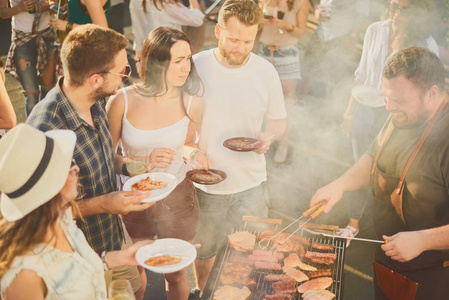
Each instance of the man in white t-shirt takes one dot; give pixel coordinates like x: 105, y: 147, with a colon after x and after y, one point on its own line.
x: 242, y: 98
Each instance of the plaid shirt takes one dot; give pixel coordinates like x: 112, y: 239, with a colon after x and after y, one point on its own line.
x: 94, y: 156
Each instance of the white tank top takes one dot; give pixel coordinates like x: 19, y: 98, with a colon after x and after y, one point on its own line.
x: 23, y: 21
x: 172, y: 137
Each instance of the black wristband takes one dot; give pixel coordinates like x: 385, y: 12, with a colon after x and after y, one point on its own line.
x: 125, y: 170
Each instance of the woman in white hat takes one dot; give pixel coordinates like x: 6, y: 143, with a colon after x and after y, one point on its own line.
x: 43, y: 254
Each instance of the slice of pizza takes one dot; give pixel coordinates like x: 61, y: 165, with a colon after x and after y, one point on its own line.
x: 163, y: 260
x: 148, y: 185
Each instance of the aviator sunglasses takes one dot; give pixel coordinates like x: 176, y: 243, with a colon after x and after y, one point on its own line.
x: 395, y: 8
x: 124, y: 74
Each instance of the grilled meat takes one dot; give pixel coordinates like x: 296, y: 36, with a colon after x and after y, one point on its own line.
x: 320, y: 273
x: 320, y: 246
x: 242, y: 241
x: 263, y: 252
x: 293, y: 261
x: 282, y: 236
x: 321, y: 283
x: 311, y: 254
x: 236, y: 273
x: 287, y: 286
x: 228, y: 292
x: 295, y: 274
x: 322, y: 260
x: 278, y: 297
x: 276, y: 277
x: 318, y: 295
x: 267, y: 258
x: 267, y: 265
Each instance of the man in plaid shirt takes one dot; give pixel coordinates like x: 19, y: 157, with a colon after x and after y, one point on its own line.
x: 95, y: 61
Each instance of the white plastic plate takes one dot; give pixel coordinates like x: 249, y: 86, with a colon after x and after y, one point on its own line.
x: 156, y: 194
x: 368, y: 96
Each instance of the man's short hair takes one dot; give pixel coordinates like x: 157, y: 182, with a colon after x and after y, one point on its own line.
x: 419, y: 65
x: 246, y: 11
x: 90, y: 49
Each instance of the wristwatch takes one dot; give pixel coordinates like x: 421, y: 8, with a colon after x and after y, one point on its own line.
x: 291, y: 29
x: 105, y: 261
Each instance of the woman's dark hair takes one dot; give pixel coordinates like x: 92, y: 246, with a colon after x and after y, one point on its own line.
x: 155, y: 61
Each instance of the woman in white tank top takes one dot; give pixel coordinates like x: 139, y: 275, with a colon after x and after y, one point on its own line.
x: 161, y: 114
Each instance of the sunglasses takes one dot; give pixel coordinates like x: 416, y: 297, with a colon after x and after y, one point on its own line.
x: 124, y: 74
x: 395, y: 8
x: 73, y: 165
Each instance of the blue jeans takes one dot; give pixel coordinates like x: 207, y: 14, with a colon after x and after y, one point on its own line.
x: 217, y: 212
x: 25, y: 59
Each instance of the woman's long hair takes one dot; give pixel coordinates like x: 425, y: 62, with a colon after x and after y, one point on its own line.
x: 20, y: 237
x: 159, y: 4
x: 155, y: 61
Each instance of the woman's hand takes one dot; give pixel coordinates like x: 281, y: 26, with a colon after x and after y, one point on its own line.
x: 281, y: 24
x: 27, y: 5
x: 43, y: 6
x: 200, y: 161
x: 58, y: 24
x: 161, y: 157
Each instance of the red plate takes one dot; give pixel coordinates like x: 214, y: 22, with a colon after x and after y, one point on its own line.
x: 201, y: 176
x: 242, y: 144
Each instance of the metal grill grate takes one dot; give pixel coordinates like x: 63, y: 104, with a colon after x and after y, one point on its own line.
x: 263, y: 287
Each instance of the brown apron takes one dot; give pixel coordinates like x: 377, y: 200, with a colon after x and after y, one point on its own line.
x: 404, y: 282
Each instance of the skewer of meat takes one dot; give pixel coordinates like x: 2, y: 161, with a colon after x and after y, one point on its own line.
x: 320, y: 246
x: 322, y: 260
x: 320, y: 273
x: 311, y: 254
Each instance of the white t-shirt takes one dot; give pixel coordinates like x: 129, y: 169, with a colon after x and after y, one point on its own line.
x: 374, y: 53
x: 171, y: 15
x: 235, y: 104
x: 23, y: 21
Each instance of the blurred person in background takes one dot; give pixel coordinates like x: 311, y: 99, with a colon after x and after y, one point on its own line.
x: 84, y: 12
x: 8, y: 117
x: 285, y: 22
x: 406, y: 27
x: 146, y: 15
x: 117, y: 15
x: 95, y: 64
x: 407, y: 167
x: 40, y: 246
x: 242, y: 98
x: 32, y: 56
x: 160, y: 114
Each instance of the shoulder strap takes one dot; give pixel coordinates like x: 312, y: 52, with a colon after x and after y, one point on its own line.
x: 126, y: 101
x: 188, y: 104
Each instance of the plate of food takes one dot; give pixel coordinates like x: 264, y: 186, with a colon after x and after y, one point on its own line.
x: 166, y: 255
x: 368, y: 96
x: 242, y: 144
x: 160, y: 184
x: 207, y: 177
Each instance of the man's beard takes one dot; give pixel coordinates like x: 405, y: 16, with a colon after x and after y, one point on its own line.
x: 102, y: 93
x: 227, y: 56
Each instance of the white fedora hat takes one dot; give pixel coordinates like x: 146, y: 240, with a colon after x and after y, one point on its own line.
x: 34, y: 167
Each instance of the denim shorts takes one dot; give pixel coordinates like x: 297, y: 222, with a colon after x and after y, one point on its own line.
x: 218, y: 212
x: 284, y: 59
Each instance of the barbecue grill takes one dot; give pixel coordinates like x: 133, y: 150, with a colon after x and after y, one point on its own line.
x: 263, y: 287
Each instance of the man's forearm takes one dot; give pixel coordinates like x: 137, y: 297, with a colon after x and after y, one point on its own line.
x: 358, y: 176
x: 436, y: 238
x: 90, y: 206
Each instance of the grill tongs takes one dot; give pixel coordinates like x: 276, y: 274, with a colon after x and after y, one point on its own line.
x: 314, y: 211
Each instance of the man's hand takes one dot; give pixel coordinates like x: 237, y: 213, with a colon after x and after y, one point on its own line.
x: 58, y: 24
x: 27, y: 5
x: 331, y: 192
x: 161, y: 157
x: 125, y: 202
x: 404, y: 246
x: 200, y: 161
x: 43, y: 6
x: 266, y: 140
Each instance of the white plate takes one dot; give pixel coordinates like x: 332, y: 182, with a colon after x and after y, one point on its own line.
x: 167, y: 247
x: 368, y: 96
x: 156, y: 194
